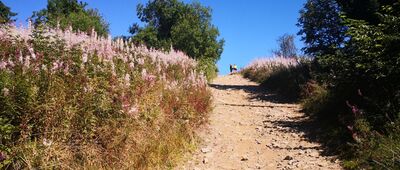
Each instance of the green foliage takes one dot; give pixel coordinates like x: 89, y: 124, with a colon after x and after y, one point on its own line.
x: 321, y: 27
x: 284, y: 76
x: 370, y: 61
x: 361, y: 79
x: 185, y: 27
x: 208, y: 67
x: 257, y: 75
x: 289, y: 81
x: 366, y: 10
x: 66, y: 13
x: 6, y: 14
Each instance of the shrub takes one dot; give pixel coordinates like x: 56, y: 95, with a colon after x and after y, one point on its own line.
x: 285, y: 76
x: 72, y: 100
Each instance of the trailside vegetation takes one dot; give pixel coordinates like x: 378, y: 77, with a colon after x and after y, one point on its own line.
x: 184, y: 27
x: 360, y: 76
x: 6, y: 15
x: 71, y: 13
x: 72, y: 100
x: 350, y: 87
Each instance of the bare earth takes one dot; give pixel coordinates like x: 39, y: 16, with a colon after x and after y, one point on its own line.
x: 252, y: 131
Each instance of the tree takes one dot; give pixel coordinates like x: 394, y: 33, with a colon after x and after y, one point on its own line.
x: 185, y: 27
x: 65, y: 13
x: 287, y: 48
x: 367, y: 10
x: 322, y: 28
x: 6, y: 14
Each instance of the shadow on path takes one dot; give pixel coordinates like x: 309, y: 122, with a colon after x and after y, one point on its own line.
x: 311, y: 130
x: 256, y: 92
x: 300, y: 125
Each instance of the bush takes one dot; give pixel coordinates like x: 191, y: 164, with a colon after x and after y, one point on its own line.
x: 289, y: 81
x: 72, y: 100
x: 285, y: 76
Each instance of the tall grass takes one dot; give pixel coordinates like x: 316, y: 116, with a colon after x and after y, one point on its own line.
x: 71, y: 100
x: 285, y: 76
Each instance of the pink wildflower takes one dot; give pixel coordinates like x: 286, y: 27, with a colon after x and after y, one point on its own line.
x: 2, y: 157
x: 3, y: 65
x: 84, y: 58
x: 27, y: 61
x: 133, y: 110
x: 66, y: 69
x: 11, y: 63
x: 127, y: 80
x: 5, y: 91
x: 32, y: 52
x: 131, y: 65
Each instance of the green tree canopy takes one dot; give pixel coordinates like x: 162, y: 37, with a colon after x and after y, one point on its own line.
x: 185, y: 27
x: 321, y: 26
x: 367, y: 10
x: 6, y: 14
x: 71, y: 13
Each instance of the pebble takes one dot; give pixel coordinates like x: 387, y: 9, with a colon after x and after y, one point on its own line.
x: 244, y: 158
x: 205, y: 150
x: 288, y: 158
x: 205, y: 160
x: 313, y: 154
x: 258, y: 166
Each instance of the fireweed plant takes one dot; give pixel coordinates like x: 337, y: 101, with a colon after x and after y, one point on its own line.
x: 73, y: 100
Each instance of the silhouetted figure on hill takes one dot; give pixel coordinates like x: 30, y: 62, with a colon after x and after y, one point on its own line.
x: 234, y: 68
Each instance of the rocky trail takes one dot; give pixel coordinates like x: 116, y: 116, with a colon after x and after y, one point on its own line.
x: 250, y: 130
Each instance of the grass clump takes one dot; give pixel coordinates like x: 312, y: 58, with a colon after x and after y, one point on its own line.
x: 285, y: 76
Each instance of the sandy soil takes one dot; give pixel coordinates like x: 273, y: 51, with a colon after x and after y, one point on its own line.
x: 250, y: 130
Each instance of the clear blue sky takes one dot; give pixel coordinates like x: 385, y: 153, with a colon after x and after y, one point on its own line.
x: 250, y: 28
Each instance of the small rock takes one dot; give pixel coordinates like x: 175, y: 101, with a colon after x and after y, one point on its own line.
x: 320, y: 164
x: 313, y: 154
x: 205, y: 160
x: 244, y: 158
x: 258, y: 141
x: 288, y: 158
x: 293, y: 162
x: 275, y: 145
x: 258, y: 166
x: 205, y: 150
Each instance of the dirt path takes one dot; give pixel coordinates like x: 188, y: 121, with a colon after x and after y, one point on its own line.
x: 250, y: 131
